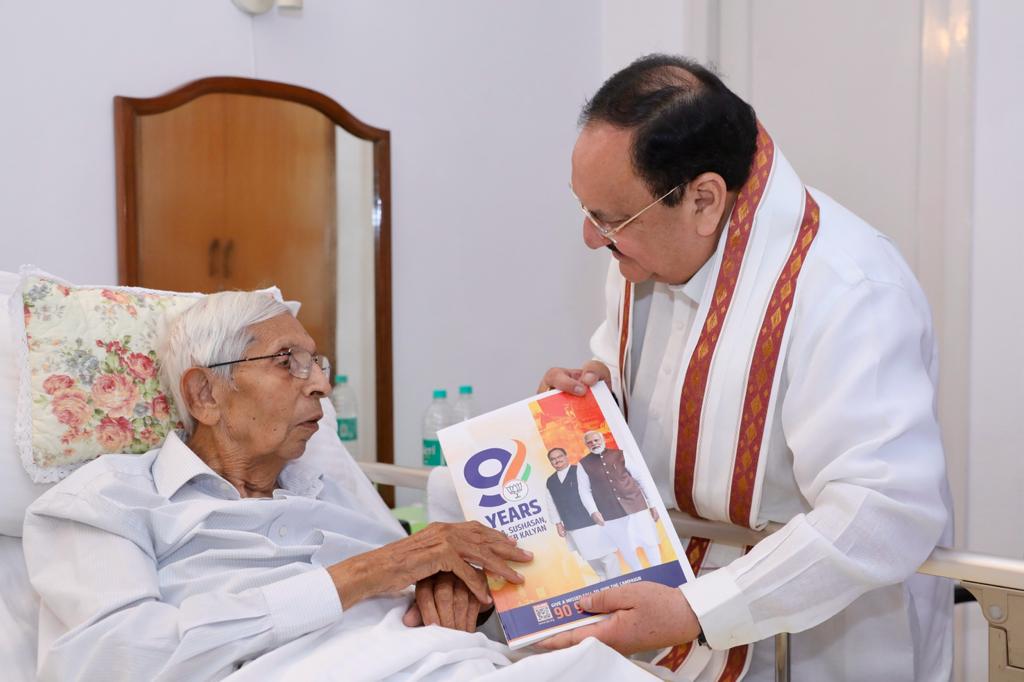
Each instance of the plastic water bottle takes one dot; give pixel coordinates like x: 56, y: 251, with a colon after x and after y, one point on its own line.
x: 437, y: 416
x: 464, y: 407
x: 344, y: 400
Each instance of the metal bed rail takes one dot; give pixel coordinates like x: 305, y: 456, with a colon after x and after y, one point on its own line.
x: 996, y: 582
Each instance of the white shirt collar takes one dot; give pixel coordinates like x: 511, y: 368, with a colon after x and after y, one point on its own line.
x: 176, y: 465
x: 694, y: 287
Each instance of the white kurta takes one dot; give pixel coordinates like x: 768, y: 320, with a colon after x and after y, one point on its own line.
x: 855, y: 467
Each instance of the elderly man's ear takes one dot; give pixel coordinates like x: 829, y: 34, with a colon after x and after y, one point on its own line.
x: 200, y: 401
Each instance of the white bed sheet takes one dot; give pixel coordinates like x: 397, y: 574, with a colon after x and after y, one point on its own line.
x: 19, y: 609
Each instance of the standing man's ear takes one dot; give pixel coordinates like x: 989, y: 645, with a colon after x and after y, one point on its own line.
x: 709, y: 195
x: 198, y: 394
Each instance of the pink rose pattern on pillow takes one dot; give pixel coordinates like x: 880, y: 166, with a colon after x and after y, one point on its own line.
x: 94, y: 372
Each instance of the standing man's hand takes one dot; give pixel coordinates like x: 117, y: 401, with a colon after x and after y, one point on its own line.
x: 560, y: 527
x: 576, y: 381
x: 654, y: 514
x: 644, y: 617
x: 598, y: 519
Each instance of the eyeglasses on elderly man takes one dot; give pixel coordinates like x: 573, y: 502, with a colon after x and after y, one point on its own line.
x: 226, y: 549
x: 298, y: 361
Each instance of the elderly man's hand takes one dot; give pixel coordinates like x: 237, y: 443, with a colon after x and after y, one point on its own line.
x: 575, y: 381
x: 644, y: 616
x: 443, y: 600
x: 438, y: 548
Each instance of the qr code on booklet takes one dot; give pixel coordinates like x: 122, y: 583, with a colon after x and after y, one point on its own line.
x: 542, y: 612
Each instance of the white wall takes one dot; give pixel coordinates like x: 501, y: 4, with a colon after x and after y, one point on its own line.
x: 996, y: 478
x: 631, y: 30
x: 491, y: 281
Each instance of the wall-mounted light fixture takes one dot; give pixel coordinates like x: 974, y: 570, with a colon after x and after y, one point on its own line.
x: 262, y: 6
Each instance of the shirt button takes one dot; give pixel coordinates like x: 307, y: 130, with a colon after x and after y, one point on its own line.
x: 282, y: 531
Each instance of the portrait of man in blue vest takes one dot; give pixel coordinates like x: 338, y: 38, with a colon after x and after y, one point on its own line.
x: 574, y: 513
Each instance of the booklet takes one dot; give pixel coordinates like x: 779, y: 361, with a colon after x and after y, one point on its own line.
x: 563, y: 476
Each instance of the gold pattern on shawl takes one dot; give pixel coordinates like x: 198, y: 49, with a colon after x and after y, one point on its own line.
x: 762, y: 370
x: 696, y: 552
x: 735, y: 664
x: 675, y: 657
x: 698, y: 369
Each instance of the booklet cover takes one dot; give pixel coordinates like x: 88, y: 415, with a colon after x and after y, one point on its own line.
x: 563, y: 476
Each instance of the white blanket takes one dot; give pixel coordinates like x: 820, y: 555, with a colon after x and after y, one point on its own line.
x: 384, y: 649
x: 19, y: 610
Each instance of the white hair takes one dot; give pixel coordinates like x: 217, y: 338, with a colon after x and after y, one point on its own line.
x: 217, y: 328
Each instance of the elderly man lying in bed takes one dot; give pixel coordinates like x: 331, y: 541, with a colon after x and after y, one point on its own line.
x: 223, y: 548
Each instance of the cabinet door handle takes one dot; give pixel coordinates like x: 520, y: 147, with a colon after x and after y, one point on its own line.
x: 212, y: 254
x: 229, y: 248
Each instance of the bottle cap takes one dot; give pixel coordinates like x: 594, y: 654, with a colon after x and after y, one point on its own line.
x: 465, y: 390
x: 440, y: 393
x: 340, y: 379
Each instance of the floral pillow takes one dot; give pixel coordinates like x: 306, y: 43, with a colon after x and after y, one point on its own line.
x: 90, y: 380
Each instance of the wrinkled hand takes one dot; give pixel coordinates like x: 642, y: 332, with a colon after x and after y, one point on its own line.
x: 598, y: 519
x: 654, y: 514
x: 443, y: 600
x: 560, y: 527
x: 438, y: 548
x: 644, y: 616
x: 575, y: 381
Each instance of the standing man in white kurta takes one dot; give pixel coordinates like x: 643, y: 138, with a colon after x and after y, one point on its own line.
x: 775, y: 359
